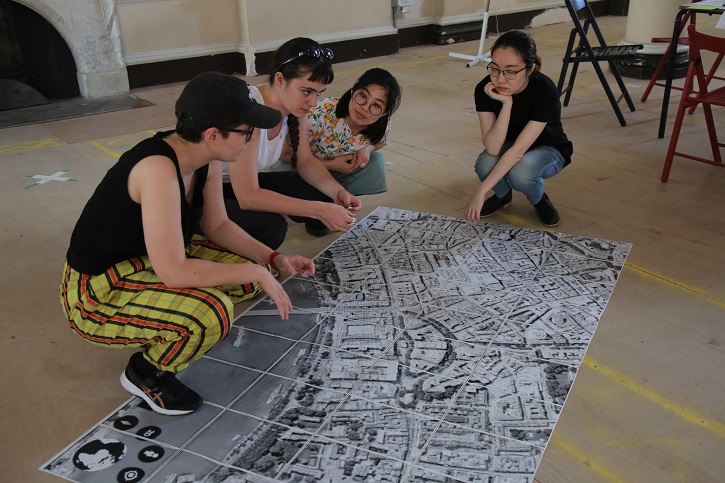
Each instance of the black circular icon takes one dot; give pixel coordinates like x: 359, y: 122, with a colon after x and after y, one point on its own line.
x: 150, y: 454
x: 125, y: 423
x: 130, y: 475
x: 149, y: 432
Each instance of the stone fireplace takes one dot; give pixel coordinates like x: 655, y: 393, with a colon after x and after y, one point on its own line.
x: 63, y: 47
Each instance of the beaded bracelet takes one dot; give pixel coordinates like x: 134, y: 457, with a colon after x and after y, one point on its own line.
x: 271, y: 260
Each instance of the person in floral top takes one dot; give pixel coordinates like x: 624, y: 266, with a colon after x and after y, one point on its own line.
x: 346, y: 132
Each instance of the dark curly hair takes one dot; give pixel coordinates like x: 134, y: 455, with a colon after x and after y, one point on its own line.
x: 375, y: 131
x: 319, y: 69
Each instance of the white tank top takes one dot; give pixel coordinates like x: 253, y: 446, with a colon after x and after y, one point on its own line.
x: 269, y: 151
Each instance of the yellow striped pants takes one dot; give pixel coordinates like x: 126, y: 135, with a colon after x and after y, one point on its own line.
x: 129, y: 306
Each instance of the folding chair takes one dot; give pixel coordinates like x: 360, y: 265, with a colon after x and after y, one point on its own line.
x: 584, y: 52
x: 699, y: 42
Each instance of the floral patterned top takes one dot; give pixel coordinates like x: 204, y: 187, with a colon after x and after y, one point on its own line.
x: 331, y: 136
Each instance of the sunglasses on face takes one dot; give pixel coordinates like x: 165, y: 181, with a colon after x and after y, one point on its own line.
x: 247, y: 133
x: 315, y: 52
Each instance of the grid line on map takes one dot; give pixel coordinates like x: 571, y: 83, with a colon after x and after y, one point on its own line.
x: 425, y: 348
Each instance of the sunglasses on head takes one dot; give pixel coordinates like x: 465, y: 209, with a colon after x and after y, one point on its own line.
x: 315, y: 52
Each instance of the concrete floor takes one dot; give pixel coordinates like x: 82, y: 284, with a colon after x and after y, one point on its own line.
x: 647, y: 403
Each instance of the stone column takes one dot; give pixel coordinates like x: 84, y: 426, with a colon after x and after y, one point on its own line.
x: 647, y: 19
x: 102, y: 70
x: 90, y: 28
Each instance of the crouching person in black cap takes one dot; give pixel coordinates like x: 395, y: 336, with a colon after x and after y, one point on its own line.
x: 135, y: 274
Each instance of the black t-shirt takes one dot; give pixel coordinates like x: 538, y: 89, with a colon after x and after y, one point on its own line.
x: 110, y: 228
x: 539, y: 101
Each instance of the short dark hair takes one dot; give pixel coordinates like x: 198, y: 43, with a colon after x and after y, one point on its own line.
x: 375, y: 131
x: 187, y: 130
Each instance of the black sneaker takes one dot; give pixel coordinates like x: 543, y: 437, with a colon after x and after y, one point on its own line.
x: 546, y: 211
x: 163, y: 391
x: 491, y: 205
x: 317, y: 228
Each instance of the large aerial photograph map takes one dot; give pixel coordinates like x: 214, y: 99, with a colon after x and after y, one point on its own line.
x: 424, y: 349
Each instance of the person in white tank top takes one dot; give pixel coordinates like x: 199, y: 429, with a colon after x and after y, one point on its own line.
x: 256, y: 200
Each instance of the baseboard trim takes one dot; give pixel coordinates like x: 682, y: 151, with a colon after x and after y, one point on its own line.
x: 149, y: 69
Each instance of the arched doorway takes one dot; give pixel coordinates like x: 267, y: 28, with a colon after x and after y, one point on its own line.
x: 35, y: 62
x: 69, y: 48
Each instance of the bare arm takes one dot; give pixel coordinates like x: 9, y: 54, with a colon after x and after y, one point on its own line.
x: 340, y: 162
x: 220, y: 230
x: 315, y: 173
x: 362, y: 156
x: 153, y: 183
x: 512, y: 156
x: 250, y: 196
x: 494, y: 127
x: 347, y: 163
x: 244, y: 179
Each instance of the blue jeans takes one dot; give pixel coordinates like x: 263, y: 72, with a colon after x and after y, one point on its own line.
x: 526, y: 176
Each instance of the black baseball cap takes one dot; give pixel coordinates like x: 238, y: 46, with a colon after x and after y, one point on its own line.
x: 213, y: 99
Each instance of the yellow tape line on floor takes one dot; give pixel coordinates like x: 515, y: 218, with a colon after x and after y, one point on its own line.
x: 30, y: 146
x: 682, y: 286
x: 103, y: 148
x: 688, y: 415
x: 575, y: 451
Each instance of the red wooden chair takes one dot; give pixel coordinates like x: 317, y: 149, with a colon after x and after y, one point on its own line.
x: 699, y: 43
x: 687, y: 19
x: 654, y: 81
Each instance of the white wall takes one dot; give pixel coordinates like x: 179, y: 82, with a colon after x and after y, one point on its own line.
x: 157, y: 30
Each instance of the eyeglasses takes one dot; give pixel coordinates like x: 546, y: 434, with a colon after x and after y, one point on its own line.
x: 374, y: 108
x: 508, y: 74
x: 247, y: 133
x: 316, y: 52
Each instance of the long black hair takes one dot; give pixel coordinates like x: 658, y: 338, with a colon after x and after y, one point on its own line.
x: 319, y: 69
x: 375, y: 131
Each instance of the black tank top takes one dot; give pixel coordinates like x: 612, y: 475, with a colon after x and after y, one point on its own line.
x: 110, y: 228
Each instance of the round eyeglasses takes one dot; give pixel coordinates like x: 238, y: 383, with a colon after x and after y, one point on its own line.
x: 247, y: 133
x: 374, y: 108
x: 508, y: 74
x: 316, y: 52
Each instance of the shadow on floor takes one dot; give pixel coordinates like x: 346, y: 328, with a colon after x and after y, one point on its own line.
x: 67, y: 109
